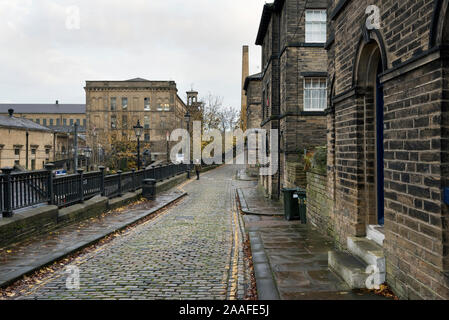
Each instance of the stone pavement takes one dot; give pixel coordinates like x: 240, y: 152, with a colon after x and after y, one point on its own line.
x: 30, y: 255
x: 193, y: 251
x: 291, y: 260
x: 253, y: 202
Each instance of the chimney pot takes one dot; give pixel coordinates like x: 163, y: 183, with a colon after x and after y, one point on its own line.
x: 11, y: 112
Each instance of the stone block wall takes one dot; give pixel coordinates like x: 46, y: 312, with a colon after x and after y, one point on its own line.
x: 295, y: 176
x: 319, y: 202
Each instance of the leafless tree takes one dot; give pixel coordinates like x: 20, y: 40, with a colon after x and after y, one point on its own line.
x: 217, y: 116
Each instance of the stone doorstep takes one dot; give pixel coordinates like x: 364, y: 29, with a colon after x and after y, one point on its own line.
x: 350, y: 269
x: 369, y: 251
x: 375, y: 233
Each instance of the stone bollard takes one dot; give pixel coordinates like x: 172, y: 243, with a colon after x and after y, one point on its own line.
x: 149, y: 189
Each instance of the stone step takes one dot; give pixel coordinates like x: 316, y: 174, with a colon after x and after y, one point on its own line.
x: 349, y: 268
x: 369, y: 252
x: 376, y: 234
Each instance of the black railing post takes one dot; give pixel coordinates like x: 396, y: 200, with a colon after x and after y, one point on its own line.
x: 7, y: 211
x: 102, y: 189
x: 119, y: 182
x: 134, y: 180
x: 50, y: 183
x: 81, y: 185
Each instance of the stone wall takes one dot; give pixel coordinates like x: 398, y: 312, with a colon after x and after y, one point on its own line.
x: 295, y: 175
x: 318, y: 202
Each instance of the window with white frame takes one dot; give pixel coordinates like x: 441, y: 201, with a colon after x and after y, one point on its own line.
x: 147, y: 106
x: 315, y: 94
x: 316, y: 26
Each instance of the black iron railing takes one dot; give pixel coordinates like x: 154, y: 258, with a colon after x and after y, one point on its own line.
x: 21, y: 190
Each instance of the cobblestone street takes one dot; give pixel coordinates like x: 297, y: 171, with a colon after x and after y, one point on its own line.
x: 192, y: 251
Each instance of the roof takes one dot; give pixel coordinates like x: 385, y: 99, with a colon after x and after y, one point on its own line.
x: 67, y: 129
x: 137, y: 80
x: 268, y: 9
x: 44, y: 108
x: 254, y: 77
x: 21, y: 123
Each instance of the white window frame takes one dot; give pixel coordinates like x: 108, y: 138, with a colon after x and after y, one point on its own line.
x: 147, y: 107
x: 313, y: 94
x: 125, y: 106
x: 316, y: 26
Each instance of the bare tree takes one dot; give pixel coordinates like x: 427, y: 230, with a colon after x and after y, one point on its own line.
x: 217, y: 116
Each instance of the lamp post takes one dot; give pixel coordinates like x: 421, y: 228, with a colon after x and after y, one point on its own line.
x: 138, y: 130
x: 168, y: 147
x: 187, y: 118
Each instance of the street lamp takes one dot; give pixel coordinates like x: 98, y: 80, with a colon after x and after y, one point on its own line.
x: 187, y: 118
x: 168, y: 147
x: 138, y: 130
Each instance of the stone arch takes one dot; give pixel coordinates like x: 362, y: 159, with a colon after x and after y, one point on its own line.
x: 370, y: 63
x: 369, y: 41
x: 439, y: 26
x: 442, y: 39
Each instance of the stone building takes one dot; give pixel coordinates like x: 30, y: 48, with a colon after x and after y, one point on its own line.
x: 114, y: 107
x: 24, y: 144
x: 388, y: 150
x: 253, y: 112
x: 49, y: 115
x: 292, y: 34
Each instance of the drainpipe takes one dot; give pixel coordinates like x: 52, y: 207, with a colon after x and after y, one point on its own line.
x: 279, y: 109
x: 27, y: 147
x: 76, y: 148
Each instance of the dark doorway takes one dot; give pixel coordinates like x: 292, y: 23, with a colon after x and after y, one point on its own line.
x: 380, y: 147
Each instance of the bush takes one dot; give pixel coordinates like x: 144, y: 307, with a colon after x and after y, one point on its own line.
x: 316, y: 160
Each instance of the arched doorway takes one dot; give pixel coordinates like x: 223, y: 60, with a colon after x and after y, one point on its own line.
x: 371, y: 99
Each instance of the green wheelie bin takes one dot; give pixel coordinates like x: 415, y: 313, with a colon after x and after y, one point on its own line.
x: 291, y: 208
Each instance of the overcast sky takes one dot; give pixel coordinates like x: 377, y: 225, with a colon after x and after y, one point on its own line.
x: 45, y: 54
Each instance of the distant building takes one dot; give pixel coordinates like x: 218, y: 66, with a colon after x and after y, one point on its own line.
x: 49, y: 115
x: 113, y: 108
x: 24, y: 144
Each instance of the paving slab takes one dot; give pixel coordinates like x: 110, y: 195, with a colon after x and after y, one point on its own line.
x: 290, y: 259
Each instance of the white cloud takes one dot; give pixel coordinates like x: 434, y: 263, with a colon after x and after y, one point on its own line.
x: 197, y: 41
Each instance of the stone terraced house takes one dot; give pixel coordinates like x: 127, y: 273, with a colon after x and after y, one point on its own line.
x: 388, y: 141
x: 292, y: 35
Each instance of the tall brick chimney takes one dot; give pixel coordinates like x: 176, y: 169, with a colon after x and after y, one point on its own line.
x: 245, y: 74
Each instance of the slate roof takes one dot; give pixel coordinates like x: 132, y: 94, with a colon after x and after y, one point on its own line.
x: 44, y: 108
x: 67, y: 129
x: 137, y: 80
x: 21, y: 123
